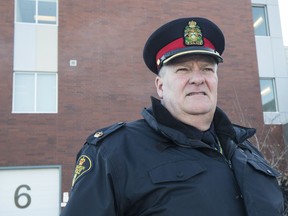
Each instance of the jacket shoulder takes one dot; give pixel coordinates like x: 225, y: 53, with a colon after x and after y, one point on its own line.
x: 101, y: 134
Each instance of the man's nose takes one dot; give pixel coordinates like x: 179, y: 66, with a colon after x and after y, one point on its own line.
x: 196, y: 77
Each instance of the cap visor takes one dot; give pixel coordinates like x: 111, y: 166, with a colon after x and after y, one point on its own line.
x: 214, y: 54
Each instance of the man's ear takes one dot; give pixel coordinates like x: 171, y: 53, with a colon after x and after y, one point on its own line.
x: 159, y: 86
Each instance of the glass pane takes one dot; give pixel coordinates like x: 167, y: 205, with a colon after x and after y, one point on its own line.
x: 46, y: 93
x: 47, y: 11
x: 259, y: 21
x: 268, y: 95
x: 23, y: 92
x: 25, y: 11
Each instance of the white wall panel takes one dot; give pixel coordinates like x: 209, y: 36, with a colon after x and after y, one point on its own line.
x: 264, y: 56
x: 279, y: 58
x: 35, y: 47
x: 282, y: 91
x: 32, y: 191
x: 274, y: 21
x: 46, y: 48
x: 24, y: 47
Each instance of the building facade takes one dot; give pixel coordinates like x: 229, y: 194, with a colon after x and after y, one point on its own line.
x: 71, y: 67
x: 271, y: 60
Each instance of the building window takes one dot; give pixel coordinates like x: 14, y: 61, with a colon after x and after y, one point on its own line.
x: 34, y: 92
x: 36, y: 11
x: 260, y: 21
x: 268, y: 95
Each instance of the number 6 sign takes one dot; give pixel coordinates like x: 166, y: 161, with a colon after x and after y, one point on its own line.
x: 17, y: 197
x: 30, y: 191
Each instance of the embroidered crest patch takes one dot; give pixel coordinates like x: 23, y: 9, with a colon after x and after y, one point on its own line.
x: 83, y: 165
x: 193, y: 34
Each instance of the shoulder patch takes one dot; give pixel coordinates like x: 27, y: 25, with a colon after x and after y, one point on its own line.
x: 102, y: 133
x: 84, y: 164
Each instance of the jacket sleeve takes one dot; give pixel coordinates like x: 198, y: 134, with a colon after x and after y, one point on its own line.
x: 92, y: 190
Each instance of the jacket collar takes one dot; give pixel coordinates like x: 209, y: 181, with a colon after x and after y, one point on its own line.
x: 163, y: 123
x: 225, y: 128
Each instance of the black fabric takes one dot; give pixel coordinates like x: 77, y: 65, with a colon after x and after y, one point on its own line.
x: 210, y: 138
x: 131, y: 176
x: 163, y: 116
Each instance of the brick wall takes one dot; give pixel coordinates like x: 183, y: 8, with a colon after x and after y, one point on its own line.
x: 111, y: 82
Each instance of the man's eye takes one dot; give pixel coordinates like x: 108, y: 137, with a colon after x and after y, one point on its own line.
x: 208, y: 69
x: 181, y: 70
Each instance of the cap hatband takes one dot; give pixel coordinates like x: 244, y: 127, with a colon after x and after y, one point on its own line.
x: 177, y: 48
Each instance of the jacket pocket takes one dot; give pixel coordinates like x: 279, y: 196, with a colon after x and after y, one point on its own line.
x: 258, y: 184
x: 175, y: 171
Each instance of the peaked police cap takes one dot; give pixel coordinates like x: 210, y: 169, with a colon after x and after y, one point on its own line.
x: 184, y: 36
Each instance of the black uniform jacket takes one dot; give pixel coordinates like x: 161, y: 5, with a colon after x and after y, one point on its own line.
x: 148, y: 168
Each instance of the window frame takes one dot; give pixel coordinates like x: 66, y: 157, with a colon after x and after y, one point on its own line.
x: 274, y: 94
x: 36, y: 22
x: 35, y: 110
x: 266, y: 19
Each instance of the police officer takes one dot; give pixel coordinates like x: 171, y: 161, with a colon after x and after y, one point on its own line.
x: 184, y: 157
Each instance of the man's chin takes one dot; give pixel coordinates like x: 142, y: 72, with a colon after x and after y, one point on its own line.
x: 201, y: 110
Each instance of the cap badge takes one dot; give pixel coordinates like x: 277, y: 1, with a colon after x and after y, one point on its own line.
x: 193, y: 34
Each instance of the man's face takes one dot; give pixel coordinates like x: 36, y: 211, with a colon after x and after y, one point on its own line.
x: 188, y: 86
